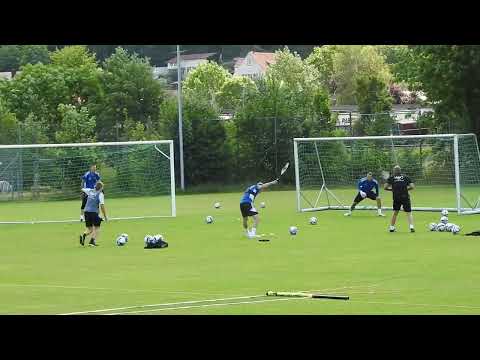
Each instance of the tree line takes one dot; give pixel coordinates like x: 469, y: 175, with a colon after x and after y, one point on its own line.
x: 68, y: 94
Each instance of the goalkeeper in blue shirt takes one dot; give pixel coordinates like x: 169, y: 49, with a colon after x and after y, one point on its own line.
x: 367, y: 188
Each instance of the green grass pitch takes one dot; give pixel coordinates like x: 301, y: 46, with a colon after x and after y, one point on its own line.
x: 44, y: 270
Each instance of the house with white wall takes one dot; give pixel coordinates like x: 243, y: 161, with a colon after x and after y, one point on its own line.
x: 189, y: 62
x: 254, y: 65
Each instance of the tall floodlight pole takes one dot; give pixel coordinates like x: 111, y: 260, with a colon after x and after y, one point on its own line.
x: 180, y: 120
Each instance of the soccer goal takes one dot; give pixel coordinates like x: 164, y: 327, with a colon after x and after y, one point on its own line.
x: 444, y: 168
x: 41, y: 183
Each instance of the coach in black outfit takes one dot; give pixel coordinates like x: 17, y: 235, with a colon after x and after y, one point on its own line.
x: 400, y: 185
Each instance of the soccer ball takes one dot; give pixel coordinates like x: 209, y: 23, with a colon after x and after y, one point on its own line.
x: 209, y: 219
x: 432, y: 227
x: 217, y: 205
x: 147, y: 239
x: 125, y: 236
x: 262, y: 205
x: 441, y: 227
x: 293, y: 230
x: 313, y: 220
x: 122, y: 240
x: 449, y: 226
x: 455, y: 229
x: 444, y: 219
x: 158, y: 237
x: 444, y: 212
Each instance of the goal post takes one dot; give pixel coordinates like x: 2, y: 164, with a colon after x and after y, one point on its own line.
x: 40, y: 183
x: 445, y: 169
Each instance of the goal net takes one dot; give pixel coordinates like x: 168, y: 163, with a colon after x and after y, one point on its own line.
x: 41, y: 183
x: 444, y: 168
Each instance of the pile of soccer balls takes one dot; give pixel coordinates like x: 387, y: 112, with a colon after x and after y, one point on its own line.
x: 154, y: 242
x: 444, y: 225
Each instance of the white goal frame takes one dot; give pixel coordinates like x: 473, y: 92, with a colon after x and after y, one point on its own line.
x: 170, y: 158
x: 331, y: 196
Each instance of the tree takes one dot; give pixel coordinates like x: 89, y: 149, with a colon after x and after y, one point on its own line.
x: 450, y: 77
x: 322, y: 58
x: 76, y: 125
x: 8, y: 125
x: 288, y: 102
x: 36, y: 93
x: 81, y: 72
x: 34, y: 54
x: 374, y: 103
x: 206, y: 81
x: 232, y: 93
x: 9, y: 58
x: 341, y: 65
x: 128, y: 90
x: 207, y: 157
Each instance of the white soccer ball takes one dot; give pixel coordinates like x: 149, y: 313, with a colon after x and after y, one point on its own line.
x: 293, y: 230
x: 209, y: 219
x: 455, y: 229
x: 444, y: 219
x: 121, y: 240
x: 217, y: 205
x: 262, y: 205
x: 313, y: 220
x: 441, y: 227
x: 444, y: 212
x: 125, y: 236
x: 432, y: 226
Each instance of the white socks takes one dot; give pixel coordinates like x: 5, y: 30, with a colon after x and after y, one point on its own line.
x: 411, y: 226
x: 254, y: 231
x: 379, y: 211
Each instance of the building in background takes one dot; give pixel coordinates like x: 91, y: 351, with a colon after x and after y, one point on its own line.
x: 189, y: 62
x: 405, y: 116
x: 254, y: 65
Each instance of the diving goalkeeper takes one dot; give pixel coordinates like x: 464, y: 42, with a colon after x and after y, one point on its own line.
x: 366, y: 187
x: 247, y: 206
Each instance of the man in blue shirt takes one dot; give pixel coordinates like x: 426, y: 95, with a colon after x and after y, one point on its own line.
x: 88, y: 182
x: 247, y: 206
x: 366, y: 187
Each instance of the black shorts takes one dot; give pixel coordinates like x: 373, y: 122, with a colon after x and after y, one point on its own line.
x: 84, y: 200
x: 247, y: 210
x: 402, y: 202
x: 371, y: 195
x: 92, y: 219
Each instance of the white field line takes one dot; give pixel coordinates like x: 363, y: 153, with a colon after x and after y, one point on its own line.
x: 205, y: 305
x: 162, y: 304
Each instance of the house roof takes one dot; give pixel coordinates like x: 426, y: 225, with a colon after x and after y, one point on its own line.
x: 263, y: 59
x: 191, y: 57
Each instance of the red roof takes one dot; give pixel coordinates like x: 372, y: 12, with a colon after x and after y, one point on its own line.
x: 264, y: 59
x: 191, y: 57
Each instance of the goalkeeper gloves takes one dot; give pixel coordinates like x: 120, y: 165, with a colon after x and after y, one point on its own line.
x: 363, y: 194
x: 277, y: 180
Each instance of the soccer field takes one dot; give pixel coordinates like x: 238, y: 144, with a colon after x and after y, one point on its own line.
x: 215, y: 269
